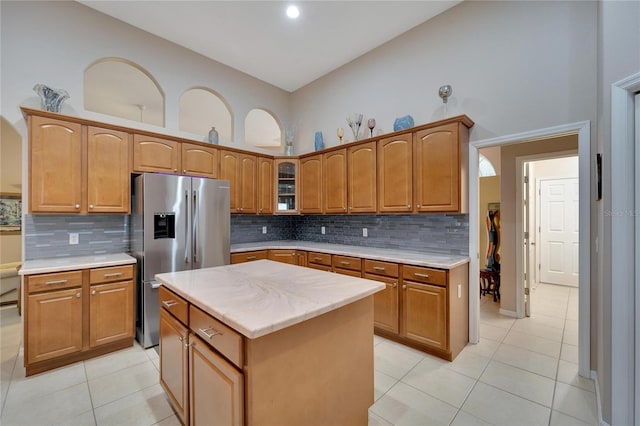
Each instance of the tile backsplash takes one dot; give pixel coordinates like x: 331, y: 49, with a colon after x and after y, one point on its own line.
x: 47, y: 236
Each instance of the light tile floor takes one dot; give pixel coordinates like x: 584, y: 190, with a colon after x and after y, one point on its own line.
x: 523, y: 372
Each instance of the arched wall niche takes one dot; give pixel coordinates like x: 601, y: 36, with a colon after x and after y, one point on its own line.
x: 122, y: 88
x: 202, y: 108
x: 263, y: 129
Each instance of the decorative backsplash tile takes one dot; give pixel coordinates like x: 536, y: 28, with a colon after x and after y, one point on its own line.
x: 248, y: 228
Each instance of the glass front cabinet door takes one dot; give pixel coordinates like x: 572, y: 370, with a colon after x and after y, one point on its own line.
x: 286, y: 186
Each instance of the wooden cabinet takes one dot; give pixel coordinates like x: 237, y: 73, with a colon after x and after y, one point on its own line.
x: 386, y: 306
x: 311, y: 184
x: 334, y: 186
x: 241, y: 172
x: 284, y: 256
x: 265, y: 185
x: 110, y: 305
x: 347, y: 265
x: 286, y: 185
x: 67, y: 319
x: 198, y: 160
x: 425, y: 314
x: 174, y: 365
x: 216, y: 388
x: 151, y: 154
x: 249, y: 256
x: 437, y: 164
x: 108, y: 176
x: 317, y: 260
x: 361, y: 181
x: 72, y: 174
x: 395, y: 174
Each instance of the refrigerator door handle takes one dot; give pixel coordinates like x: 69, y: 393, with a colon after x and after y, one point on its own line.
x: 186, y: 230
x: 195, y: 227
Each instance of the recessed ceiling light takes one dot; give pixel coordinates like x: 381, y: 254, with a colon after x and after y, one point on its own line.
x: 293, y: 12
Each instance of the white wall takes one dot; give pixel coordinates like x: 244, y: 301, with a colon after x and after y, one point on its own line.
x: 54, y: 42
x: 513, y: 66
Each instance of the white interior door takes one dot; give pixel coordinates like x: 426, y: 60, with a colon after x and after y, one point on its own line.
x: 559, y: 231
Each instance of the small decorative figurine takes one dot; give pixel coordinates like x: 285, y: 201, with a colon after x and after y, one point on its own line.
x: 51, y: 98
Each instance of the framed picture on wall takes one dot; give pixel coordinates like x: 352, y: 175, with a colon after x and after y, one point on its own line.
x: 10, y: 213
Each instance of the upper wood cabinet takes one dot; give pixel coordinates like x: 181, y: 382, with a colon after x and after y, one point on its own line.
x: 311, y: 184
x: 70, y: 173
x: 362, y: 187
x: 152, y: 154
x: 395, y: 174
x: 108, y: 176
x: 286, y: 185
x: 198, y: 160
x: 55, y: 166
x: 437, y: 165
x: 335, y: 181
x: 265, y: 185
x: 241, y: 172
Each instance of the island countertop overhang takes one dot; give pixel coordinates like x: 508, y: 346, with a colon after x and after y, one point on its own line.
x: 261, y: 297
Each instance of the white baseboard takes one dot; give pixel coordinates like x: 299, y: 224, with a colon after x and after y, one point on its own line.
x: 508, y: 313
x: 594, y: 377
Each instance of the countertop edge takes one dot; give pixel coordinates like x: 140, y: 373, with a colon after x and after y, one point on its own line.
x: 81, y: 262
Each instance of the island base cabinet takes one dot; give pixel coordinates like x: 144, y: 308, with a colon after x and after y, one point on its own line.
x: 174, y: 364
x: 216, y: 388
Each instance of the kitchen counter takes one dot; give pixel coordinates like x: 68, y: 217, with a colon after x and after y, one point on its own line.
x: 261, y: 297
x: 44, y: 266
x: 432, y: 260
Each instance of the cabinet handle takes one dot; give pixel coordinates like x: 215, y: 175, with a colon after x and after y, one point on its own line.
x: 404, y: 286
x: 175, y: 170
x: 344, y: 208
x: 241, y: 209
x: 418, y: 206
x: 394, y: 285
x: 417, y: 274
x: 210, y: 336
x: 251, y: 257
x: 408, y: 206
x: 345, y: 263
x: 379, y: 268
x: 180, y: 339
x: 93, y: 293
x: 77, y: 206
x: 90, y: 206
x: 184, y: 171
x: 56, y: 282
x: 114, y: 274
x: 169, y: 303
x: 350, y: 208
x: 317, y: 259
x: 78, y: 295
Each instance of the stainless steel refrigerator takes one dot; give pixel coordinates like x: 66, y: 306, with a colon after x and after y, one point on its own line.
x: 177, y: 223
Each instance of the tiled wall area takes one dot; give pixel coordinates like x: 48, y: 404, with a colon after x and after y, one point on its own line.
x: 47, y: 236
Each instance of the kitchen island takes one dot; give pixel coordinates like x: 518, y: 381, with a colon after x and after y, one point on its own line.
x: 267, y: 343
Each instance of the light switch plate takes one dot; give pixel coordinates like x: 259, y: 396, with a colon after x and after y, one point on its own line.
x: 322, y: 230
x: 365, y: 232
x: 264, y: 229
x: 73, y: 238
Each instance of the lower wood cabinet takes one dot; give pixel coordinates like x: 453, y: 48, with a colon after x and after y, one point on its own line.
x: 425, y: 314
x: 174, y: 365
x: 76, y: 315
x: 284, y: 256
x: 249, y: 256
x: 385, y: 304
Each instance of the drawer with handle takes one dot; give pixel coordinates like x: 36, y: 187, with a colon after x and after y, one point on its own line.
x: 424, y: 275
x: 54, y: 281
x: 248, y: 256
x: 173, y: 303
x: 110, y: 274
x: 319, y: 258
x: 225, y: 340
x: 346, y: 262
x: 377, y: 267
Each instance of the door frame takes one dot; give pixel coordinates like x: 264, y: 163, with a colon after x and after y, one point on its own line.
x: 625, y: 336
x: 583, y: 130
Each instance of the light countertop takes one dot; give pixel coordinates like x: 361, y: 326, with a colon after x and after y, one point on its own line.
x: 432, y: 260
x: 258, y: 298
x: 43, y: 266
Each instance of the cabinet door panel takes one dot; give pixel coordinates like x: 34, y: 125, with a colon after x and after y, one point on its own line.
x: 311, y: 184
x: 55, y: 155
x: 54, y: 324
x: 155, y: 155
x: 362, y: 189
x: 174, y: 358
x: 425, y: 314
x: 249, y: 182
x: 216, y: 388
x: 385, y: 304
x: 110, y: 313
x: 395, y: 174
x: 265, y: 185
x: 229, y: 166
x: 437, y: 169
x: 108, y: 176
x: 198, y: 160
x: 335, y: 181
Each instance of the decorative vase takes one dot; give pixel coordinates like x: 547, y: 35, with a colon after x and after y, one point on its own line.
x: 213, y: 136
x: 402, y: 123
x: 319, y: 142
x: 288, y: 148
x: 51, y: 99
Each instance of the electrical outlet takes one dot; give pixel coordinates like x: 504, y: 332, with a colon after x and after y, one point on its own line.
x: 322, y: 230
x: 365, y: 232
x: 264, y: 229
x: 73, y: 238
x: 459, y: 291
